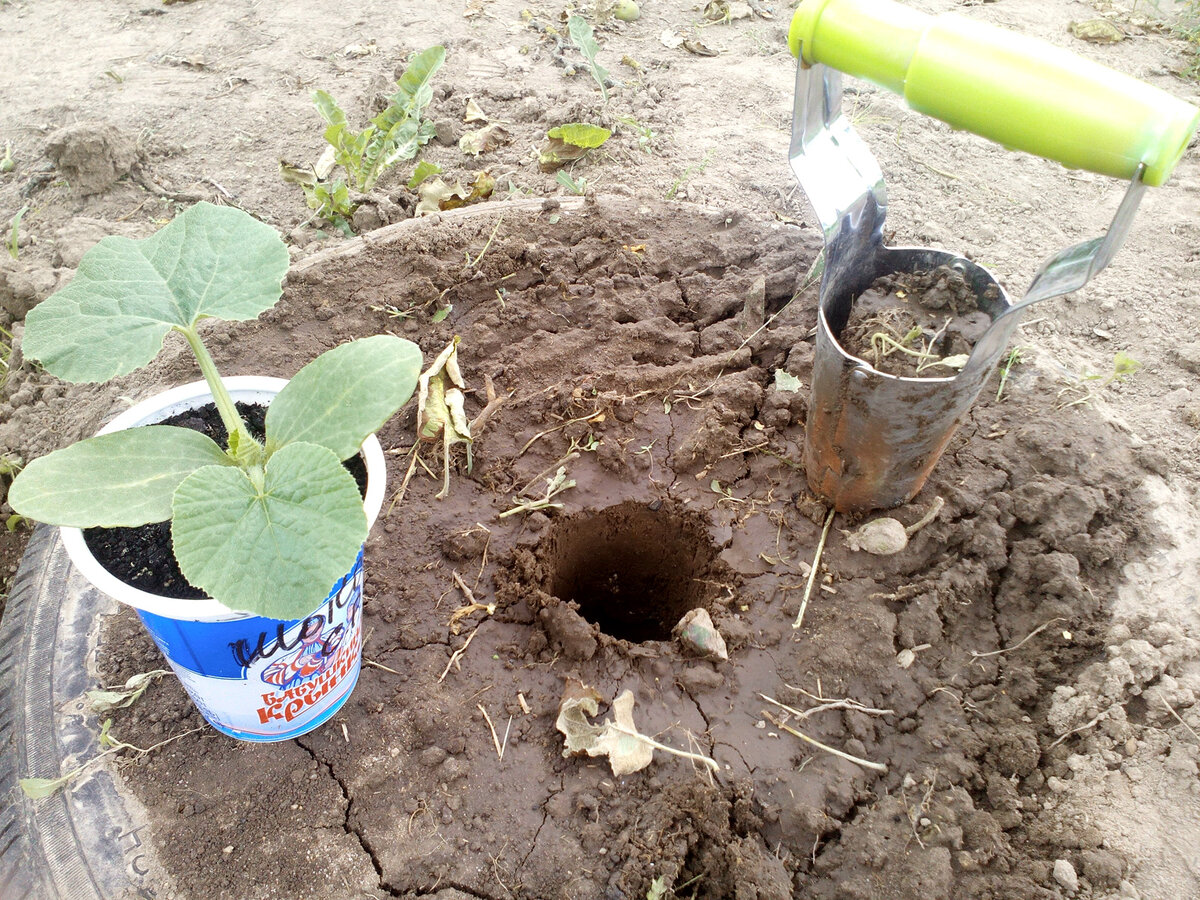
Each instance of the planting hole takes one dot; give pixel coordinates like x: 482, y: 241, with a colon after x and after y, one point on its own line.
x: 634, y: 570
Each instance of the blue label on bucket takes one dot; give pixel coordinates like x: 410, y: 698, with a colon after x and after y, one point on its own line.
x: 262, y: 679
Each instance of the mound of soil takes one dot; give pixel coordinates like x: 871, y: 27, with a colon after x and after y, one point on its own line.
x: 916, y: 324
x: 637, y: 348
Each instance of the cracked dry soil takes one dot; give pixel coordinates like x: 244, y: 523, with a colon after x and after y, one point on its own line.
x: 644, y: 341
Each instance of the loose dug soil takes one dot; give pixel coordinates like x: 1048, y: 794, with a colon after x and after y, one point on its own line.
x: 649, y: 375
x: 916, y: 324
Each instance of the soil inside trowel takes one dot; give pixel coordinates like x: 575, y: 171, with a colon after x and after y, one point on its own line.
x: 143, y: 556
x: 648, y: 376
x: 916, y: 324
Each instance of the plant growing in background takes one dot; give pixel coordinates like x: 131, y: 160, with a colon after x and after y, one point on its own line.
x: 584, y: 39
x: 14, y: 232
x: 397, y: 133
x: 264, y: 527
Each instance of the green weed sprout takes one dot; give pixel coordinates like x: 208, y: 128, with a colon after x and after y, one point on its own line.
x: 261, y: 527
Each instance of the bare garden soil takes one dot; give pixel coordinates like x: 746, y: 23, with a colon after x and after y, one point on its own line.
x: 648, y: 375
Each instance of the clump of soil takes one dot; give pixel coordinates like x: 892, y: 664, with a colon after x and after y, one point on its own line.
x: 916, y: 324
x: 637, y: 372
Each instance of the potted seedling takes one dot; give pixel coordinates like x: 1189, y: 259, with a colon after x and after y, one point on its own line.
x: 267, y: 529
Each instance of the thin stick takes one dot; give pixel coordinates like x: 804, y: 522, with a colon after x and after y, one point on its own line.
x: 492, y: 237
x: 878, y: 767
x: 1017, y: 645
x: 371, y: 662
x: 1178, y: 717
x: 1084, y: 727
x: 457, y: 655
x: 845, y: 703
x: 467, y: 592
x: 812, y: 573
x: 694, y: 757
x: 504, y: 743
x: 493, y: 403
x: 398, y: 497
x: 492, y: 729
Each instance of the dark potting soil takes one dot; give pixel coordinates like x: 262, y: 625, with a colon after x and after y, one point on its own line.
x: 144, y: 556
x: 649, y: 376
x: 906, y: 324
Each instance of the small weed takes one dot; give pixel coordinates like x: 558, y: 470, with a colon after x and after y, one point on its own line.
x: 1015, y: 356
x: 885, y: 344
x: 14, y: 232
x: 692, y: 170
x: 584, y: 39
x: 577, y: 186
x: 1086, y: 389
x: 645, y: 134
x: 554, y: 487
x: 6, y: 163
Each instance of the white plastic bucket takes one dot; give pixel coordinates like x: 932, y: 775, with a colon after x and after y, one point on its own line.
x: 252, y: 677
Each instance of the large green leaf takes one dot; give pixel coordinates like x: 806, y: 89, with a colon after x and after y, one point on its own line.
x: 124, y: 478
x: 274, y: 551
x: 344, y: 394
x: 413, y: 89
x: 111, y: 319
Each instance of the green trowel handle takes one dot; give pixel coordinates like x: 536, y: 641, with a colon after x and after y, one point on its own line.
x: 1019, y: 91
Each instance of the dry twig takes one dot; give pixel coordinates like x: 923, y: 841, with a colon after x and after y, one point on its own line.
x: 878, y: 767
x: 812, y: 573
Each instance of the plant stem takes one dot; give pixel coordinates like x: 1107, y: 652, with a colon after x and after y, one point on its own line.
x: 245, y: 445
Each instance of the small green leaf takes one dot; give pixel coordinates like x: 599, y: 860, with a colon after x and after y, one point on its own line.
x: 344, y: 394
x: 126, y: 295
x: 580, y: 134
x: 424, y: 169
x: 292, y: 535
x: 328, y: 108
x: 121, y: 479
x: 441, y: 314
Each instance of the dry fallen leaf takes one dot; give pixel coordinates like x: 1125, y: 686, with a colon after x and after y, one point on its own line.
x: 617, y: 738
x: 474, y: 113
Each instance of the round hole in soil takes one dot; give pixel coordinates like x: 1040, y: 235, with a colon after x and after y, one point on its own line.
x: 633, y: 569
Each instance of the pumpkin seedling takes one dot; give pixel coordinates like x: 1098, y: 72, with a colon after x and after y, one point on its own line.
x: 264, y: 527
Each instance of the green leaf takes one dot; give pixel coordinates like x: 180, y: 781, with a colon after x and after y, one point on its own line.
x: 40, y: 788
x: 274, y: 548
x: 125, y: 478
x: 414, y: 91
x: 111, y: 319
x: 328, y: 108
x: 424, y: 169
x: 580, y: 134
x: 584, y: 38
x: 344, y: 394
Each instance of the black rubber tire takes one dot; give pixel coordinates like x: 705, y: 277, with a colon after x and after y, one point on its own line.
x: 82, y: 843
